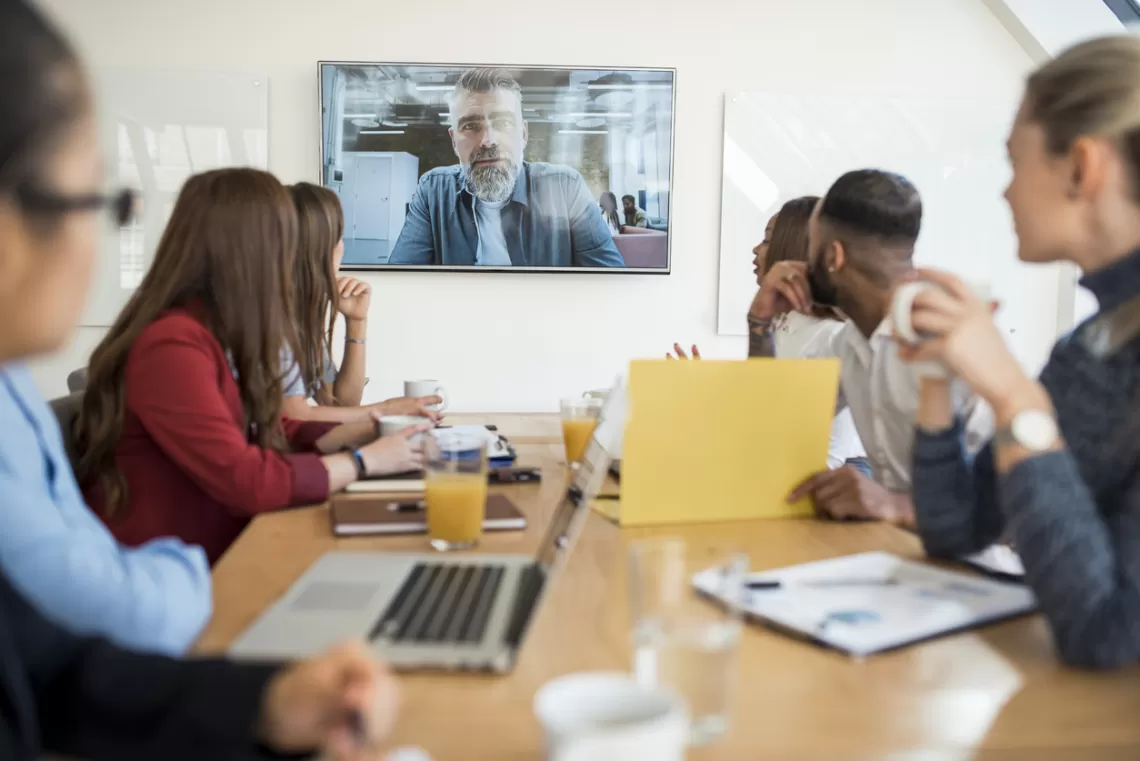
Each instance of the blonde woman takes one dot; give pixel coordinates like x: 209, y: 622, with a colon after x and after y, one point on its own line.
x: 1060, y: 476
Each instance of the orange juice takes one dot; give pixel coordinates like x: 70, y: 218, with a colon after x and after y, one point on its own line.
x: 455, y: 505
x: 576, y: 433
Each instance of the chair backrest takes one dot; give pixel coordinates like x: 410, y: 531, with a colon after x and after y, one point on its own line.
x: 66, y: 409
x: 77, y: 380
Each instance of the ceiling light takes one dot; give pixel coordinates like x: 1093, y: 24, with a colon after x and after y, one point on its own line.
x: 435, y: 87
x: 360, y: 116
x: 593, y: 121
x: 613, y: 114
x: 630, y: 86
x: 365, y: 123
x: 583, y: 132
x: 381, y: 131
x: 395, y: 124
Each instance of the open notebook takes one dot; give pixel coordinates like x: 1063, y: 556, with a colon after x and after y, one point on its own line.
x: 871, y: 602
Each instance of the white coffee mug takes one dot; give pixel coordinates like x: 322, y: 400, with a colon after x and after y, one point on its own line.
x: 417, y: 388
x: 392, y: 424
x: 902, y: 307
x: 602, y: 716
x: 599, y: 394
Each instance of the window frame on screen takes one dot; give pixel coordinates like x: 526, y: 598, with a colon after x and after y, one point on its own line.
x: 1128, y: 11
x: 376, y: 268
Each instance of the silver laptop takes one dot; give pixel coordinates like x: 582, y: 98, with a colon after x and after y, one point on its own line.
x: 427, y: 610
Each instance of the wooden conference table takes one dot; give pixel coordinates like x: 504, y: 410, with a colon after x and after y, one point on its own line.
x: 997, y: 694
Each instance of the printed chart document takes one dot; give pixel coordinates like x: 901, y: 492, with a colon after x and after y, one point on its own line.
x: 871, y: 602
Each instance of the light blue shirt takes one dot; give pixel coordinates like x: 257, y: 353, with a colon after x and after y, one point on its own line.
x: 64, y: 561
x: 492, y: 248
x: 294, y: 384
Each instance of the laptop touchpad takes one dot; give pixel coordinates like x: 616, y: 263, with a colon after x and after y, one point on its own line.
x: 334, y: 597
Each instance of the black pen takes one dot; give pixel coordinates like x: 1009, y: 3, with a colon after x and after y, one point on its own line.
x: 763, y: 584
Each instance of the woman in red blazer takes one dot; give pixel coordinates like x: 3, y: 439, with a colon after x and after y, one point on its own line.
x: 181, y: 432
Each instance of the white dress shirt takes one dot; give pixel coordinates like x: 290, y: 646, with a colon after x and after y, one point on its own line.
x: 881, y: 391
x: 799, y: 335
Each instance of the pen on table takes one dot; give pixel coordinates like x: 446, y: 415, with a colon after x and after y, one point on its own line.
x: 762, y: 584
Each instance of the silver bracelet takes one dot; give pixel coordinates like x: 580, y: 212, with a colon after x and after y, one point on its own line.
x: 348, y: 340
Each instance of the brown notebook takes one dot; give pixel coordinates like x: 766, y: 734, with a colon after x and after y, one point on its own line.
x: 364, y: 516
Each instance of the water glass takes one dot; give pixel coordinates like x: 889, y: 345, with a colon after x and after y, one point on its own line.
x: 455, y: 488
x: 681, y: 641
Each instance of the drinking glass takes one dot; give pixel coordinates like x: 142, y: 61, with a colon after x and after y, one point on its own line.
x: 455, y: 488
x: 681, y: 641
x: 579, y: 419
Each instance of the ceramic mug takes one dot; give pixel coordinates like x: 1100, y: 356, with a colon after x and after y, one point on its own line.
x: 902, y: 306
x: 417, y: 388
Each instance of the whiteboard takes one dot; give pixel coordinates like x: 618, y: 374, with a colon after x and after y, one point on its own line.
x: 777, y: 147
x: 158, y: 128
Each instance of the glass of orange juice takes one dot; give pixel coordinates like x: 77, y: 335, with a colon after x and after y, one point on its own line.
x: 455, y: 489
x: 579, y: 419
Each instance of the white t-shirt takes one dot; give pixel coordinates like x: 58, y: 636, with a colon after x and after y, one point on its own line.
x: 492, y: 250
x: 799, y: 335
x: 881, y: 391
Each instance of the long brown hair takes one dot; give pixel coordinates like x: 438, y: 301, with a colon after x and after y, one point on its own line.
x: 320, y: 226
x: 790, y: 233
x: 227, y: 251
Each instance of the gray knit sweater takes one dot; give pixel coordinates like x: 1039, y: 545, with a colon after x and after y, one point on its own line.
x: 1073, y: 515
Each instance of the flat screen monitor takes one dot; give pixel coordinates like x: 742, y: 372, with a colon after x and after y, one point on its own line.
x: 499, y: 168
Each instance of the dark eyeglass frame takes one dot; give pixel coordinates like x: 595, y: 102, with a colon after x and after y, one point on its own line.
x: 121, y: 204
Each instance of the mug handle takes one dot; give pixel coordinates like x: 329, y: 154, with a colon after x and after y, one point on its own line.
x: 442, y: 395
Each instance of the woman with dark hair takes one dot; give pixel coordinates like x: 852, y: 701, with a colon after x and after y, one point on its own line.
x: 798, y: 334
x: 318, y: 295
x: 181, y: 432
x: 61, y: 692
x: 53, y: 549
x: 609, y: 206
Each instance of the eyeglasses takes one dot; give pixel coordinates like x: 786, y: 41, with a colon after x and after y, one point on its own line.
x: 121, y: 204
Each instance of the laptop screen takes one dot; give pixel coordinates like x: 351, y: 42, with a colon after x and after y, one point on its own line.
x: 584, y: 486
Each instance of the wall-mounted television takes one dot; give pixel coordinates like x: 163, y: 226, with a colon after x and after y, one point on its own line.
x: 499, y: 168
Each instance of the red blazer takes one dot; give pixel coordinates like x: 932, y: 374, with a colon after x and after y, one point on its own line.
x: 192, y: 470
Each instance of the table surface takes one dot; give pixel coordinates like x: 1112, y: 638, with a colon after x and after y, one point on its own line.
x: 995, y: 694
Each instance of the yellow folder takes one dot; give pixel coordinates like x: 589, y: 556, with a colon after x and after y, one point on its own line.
x: 719, y: 441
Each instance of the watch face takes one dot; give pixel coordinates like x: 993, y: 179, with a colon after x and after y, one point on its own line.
x: 1036, y: 430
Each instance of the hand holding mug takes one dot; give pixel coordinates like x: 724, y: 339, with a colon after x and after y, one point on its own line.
x: 422, y: 406
x: 947, y: 322
x: 400, y: 452
x: 344, y: 702
x: 785, y: 289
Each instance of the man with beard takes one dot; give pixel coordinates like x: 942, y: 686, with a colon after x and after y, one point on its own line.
x: 861, y: 242
x: 635, y: 216
x: 495, y: 209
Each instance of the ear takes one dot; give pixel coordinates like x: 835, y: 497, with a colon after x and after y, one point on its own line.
x: 526, y: 131
x: 14, y: 247
x: 836, y: 257
x: 1088, y: 159
x: 451, y: 134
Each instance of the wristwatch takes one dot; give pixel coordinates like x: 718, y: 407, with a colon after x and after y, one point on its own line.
x: 1034, y: 430
x: 358, y: 459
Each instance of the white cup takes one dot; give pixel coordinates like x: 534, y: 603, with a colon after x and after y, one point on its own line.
x: 902, y: 308
x: 393, y: 424
x: 600, y: 394
x: 602, y: 716
x: 418, y: 388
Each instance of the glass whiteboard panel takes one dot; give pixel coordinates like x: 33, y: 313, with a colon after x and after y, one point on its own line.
x: 158, y: 128
x: 777, y: 147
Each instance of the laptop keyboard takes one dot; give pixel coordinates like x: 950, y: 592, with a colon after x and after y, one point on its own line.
x: 441, y: 604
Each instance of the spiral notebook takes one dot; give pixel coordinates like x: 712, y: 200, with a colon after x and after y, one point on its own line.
x: 871, y: 602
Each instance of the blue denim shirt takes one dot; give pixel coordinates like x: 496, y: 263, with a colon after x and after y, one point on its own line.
x: 64, y: 561
x: 550, y: 221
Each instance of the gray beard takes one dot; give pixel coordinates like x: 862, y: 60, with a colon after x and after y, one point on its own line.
x: 493, y: 184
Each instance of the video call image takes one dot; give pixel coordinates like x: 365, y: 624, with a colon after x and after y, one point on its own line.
x: 485, y: 167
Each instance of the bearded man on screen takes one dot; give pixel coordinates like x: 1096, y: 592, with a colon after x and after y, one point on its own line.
x: 495, y: 209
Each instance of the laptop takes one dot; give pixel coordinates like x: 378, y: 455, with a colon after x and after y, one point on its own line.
x: 427, y: 610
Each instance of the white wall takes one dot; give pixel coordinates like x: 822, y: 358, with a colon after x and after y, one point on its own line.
x: 517, y: 343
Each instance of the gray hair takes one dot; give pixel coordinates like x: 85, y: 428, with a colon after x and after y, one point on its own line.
x: 480, y: 81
